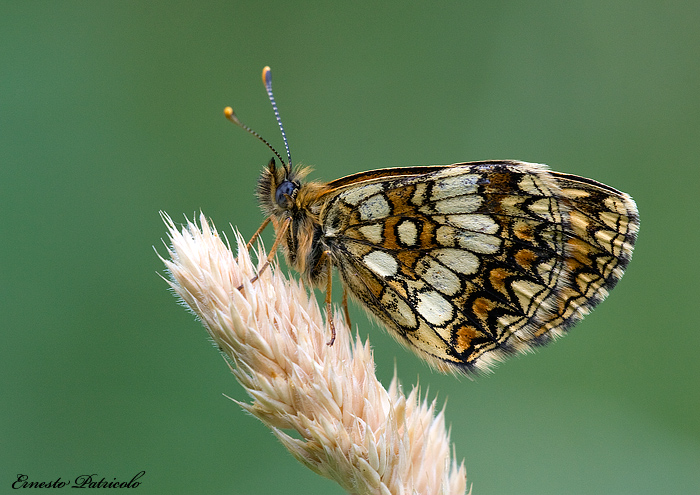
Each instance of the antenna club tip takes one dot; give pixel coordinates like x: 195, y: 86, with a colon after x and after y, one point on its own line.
x: 228, y: 112
x: 266, y: 75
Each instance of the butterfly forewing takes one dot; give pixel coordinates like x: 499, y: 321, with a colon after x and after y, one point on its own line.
x: 470, y: 262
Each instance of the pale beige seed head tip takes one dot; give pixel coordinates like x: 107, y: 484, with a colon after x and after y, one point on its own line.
x: 347, y: 426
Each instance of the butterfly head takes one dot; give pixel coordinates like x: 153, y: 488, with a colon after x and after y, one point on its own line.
x: 278, y: 189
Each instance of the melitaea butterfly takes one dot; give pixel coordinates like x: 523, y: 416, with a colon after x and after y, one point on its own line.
x: 464, y: 263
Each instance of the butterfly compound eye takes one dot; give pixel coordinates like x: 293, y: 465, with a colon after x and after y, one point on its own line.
x: 285, y: 192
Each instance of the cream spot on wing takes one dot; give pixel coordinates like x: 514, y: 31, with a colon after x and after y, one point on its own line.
x: 397, y: 308
x: 374, y: 207
x: 426, y: 339
x: 537, y: 181
x: 474, y: 222
x: 546, y: 208
x: 408, y: 233
x: 622, y: 205
x: 528, y: 294
x: 478, y: 243
x: 448, y: 172
x: 458, y: 185
x: 445, y: 236
x: 546, y: 270
x: 335, y: 219
x: 458, y: 204
x: 357, y: 194
x: 434, y: 308
x: 575, y: 193
x: 610, y: 241
x: 419, y: 194
x: 438, y: 276
x: 373, y: 233
x: 381, y: 263
x: 459, y: 260
x: 610, y: 219
x: 531, y: 185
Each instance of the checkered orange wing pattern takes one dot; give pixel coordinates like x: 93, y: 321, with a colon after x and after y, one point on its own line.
x: 468, y: 263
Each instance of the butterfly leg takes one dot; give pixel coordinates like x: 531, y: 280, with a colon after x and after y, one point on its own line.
x: 273, y: 249
x: 329, y: 292
x: 258, y: 232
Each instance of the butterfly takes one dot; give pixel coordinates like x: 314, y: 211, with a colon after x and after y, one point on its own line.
x: 464, y: 264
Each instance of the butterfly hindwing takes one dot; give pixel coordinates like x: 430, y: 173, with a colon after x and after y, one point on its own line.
x: 470, y: 262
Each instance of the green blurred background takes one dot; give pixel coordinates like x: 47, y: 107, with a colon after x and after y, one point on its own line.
x: 112, y: 111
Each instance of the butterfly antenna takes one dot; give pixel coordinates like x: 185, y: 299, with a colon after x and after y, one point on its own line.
x: 231, y: 115
x: 267, y: 80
